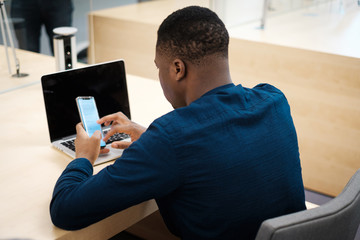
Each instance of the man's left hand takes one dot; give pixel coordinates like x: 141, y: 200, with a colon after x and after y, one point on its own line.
x: 88, y: 147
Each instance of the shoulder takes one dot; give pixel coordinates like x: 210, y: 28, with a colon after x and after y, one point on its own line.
x: 268, y: 89
x: 165, y: 122
x: 214, y: 104
x: 173, y: 124
x: 267, y: 93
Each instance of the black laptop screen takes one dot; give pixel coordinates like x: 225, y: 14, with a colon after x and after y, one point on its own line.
x: 105, y: 81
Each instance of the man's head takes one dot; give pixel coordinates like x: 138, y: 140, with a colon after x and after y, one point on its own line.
x: 191, y: 54
x: 191, y: 34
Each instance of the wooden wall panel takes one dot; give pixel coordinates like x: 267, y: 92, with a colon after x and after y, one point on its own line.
x: 132, y: 41
x: 324, y: 94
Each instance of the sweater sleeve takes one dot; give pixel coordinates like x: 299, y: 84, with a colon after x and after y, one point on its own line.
x: 147, y: 169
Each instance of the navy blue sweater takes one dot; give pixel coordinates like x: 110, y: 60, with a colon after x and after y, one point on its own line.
x: 217, y: 168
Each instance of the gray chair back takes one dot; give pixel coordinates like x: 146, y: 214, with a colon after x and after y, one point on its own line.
x: 337, y: 219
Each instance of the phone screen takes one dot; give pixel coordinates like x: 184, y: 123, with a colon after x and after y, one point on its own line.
x: 89, y: 115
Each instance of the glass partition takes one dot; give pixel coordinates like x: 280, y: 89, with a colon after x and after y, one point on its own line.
x: 81, y: 8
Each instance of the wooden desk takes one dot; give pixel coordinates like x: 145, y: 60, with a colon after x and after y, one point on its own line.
x: 323, y: 88
x: 31, y: 63
x: 29, y: 166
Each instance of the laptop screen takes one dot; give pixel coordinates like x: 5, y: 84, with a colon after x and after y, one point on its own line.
x: 105, y: 81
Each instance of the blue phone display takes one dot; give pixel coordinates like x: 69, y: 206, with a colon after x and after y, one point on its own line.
x: 89, y: 115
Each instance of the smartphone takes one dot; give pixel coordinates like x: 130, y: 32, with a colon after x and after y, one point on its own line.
x: 89, y: 115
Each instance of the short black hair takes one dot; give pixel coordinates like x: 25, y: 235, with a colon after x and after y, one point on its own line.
x: 192, y: 33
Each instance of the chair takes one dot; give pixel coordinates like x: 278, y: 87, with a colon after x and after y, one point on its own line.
x: 337, y: 219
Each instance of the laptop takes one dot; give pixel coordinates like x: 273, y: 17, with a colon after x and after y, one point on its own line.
x: 106, y: 82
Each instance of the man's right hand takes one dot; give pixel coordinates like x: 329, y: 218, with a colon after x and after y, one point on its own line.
x: 121, y: 124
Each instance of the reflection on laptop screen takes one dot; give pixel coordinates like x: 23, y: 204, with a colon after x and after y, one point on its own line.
x: 105, y: 81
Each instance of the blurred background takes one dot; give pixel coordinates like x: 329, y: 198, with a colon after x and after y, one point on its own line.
x: 311, y: 24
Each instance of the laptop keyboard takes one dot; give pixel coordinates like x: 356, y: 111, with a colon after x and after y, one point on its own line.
x: 116, y: 137
x: 69, y: 144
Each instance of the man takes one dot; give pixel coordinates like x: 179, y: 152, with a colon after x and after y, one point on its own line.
x: 51, y: 14
x: 218, y: 165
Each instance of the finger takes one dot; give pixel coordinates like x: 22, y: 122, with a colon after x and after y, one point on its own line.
x: 97, y: 135
x: 121, y: 144
x: 107, y: 119
x: 107, y: 123
x: 79, y: 126
x: 104, y: 150
x: 118, y: 117
x: 96, y: 138
x: 122, y: 118
x: 116, y: 129
x: 111, y: 132
x: 80, y: 129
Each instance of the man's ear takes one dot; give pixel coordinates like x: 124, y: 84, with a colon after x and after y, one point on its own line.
x: 179, y: 69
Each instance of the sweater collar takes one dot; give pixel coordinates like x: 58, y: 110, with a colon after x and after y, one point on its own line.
x: 215, y: 90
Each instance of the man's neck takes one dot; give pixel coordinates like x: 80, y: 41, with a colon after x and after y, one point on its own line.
x: 203, y: 79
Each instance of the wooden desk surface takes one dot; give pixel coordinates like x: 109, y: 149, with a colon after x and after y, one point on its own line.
x: 34, y: 64
x: 29, y: 166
